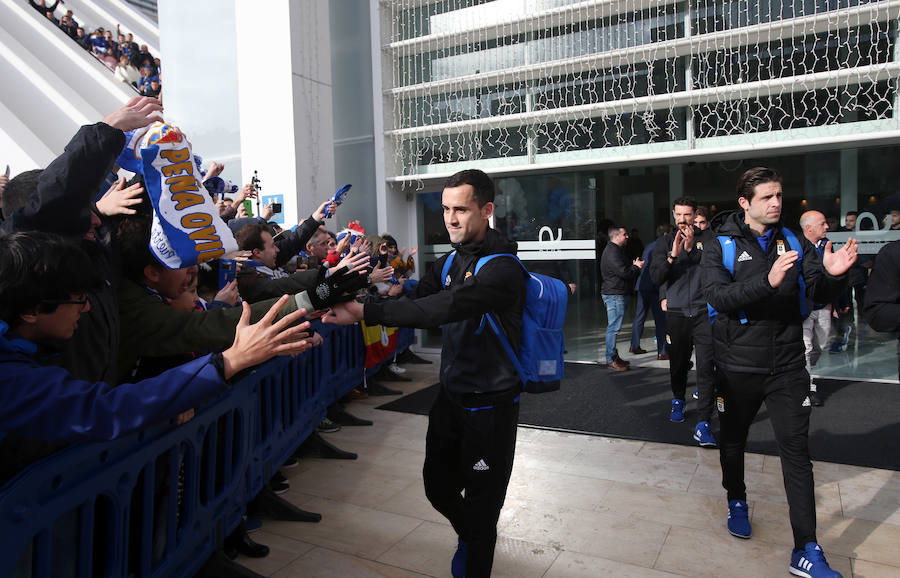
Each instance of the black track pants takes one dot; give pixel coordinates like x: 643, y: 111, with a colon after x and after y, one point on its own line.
x: 739, y: 398
x: 468, y: 461
x: 685, y: 335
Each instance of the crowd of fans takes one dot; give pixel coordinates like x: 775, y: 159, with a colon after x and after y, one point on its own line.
x: 189, y: 332
x: 131, y: 63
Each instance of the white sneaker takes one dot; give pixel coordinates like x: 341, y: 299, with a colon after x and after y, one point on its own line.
x: 397, y: 369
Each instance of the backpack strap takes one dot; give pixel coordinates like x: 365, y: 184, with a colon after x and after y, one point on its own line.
x: 797, y: 246
x: 495, y: 325
x: 445, y: 270
x: 728, y: 256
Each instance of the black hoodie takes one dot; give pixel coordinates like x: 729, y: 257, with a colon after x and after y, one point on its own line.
x: 474, y: 366
x: 772, y: 339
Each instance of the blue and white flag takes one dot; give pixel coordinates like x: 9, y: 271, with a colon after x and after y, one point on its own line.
x: 187, y: 229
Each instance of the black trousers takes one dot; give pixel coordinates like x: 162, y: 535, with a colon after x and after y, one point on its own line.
x: 687, y: 334
x: 740, y: 396
x: 468, y: 461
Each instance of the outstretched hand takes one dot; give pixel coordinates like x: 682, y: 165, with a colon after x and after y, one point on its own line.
x: 138, y: 112
x: 254, y: 344
x: 344, y: 313
x: 840, y: 261
x: 119, y: 198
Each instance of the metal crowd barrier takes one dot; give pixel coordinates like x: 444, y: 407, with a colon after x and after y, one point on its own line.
x: 156, y: 503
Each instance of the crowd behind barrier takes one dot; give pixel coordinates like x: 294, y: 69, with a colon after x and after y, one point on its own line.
x: 88, y: 510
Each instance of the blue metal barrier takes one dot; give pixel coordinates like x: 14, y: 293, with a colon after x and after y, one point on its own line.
x: 156, y: 503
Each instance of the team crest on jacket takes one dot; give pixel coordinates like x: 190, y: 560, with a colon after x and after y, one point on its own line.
x: 781, y: 247
x: 720, y: 404
x: 469, y: 274
x: 700, y: 245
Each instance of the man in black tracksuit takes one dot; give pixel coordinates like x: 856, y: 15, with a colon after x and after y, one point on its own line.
x: 472, y: 426
x: 676, y: 264
x: 759, y: 351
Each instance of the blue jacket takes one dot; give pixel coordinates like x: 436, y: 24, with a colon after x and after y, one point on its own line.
x: 46, y: 403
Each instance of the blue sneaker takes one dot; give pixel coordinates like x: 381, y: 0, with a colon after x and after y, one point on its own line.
x: 738, y: 520
x: 703, y: 434
x: 677, y: 413
x: 458, y: 565
x: 811, y: 563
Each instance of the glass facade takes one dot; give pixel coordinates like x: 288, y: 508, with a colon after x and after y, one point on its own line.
x: 643, y: 103
x: 581, y: 205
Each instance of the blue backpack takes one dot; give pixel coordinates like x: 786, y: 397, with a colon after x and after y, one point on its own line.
x: 728, y: 257
x: 539, y: 361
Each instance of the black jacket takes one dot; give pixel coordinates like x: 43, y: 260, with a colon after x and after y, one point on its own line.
x: 682, y: 277
x: 772, y: 339
x: 617, y: 272
x: 473, y: 366
x: 882, y: 306
x: 255, y: 287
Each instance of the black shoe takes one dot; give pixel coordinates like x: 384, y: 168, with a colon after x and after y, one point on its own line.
x: 241, y: 542
x: 378, y: 389
x: 328, y: 426
x: 409, y: 357
x: 621, y: 361
x: 815, y: 399
x: 637, y: 350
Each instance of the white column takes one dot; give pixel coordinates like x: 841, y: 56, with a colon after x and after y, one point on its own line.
x: 284, y: 89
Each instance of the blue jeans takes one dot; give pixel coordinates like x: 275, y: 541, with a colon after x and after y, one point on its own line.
x: 615, y: 313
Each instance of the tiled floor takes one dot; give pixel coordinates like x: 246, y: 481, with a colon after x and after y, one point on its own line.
x: 577, y: 505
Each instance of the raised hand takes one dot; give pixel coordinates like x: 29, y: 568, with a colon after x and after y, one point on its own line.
x: 254, y: 344
x: 228, y: 293
x: 138, y: 112
x: 840, y: 261
x: 118, y: 199
x: 344, y: 313
x: 380, y: 274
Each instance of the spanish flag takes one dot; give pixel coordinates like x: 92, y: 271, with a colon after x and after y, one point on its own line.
x: 381, y: 342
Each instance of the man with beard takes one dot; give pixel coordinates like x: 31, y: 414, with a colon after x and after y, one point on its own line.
x: 471, y: 438
x: 676, y: 264
x: 759, y: 289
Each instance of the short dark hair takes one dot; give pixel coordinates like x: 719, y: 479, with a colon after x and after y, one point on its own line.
x: 36, y: 267
x: 134, y: 247
x: 756, y: 176
x: 613, y: 231
x: 249, y: 237
x: 20, y: 191
x: 389, y: 240
x: 685, y: 202
x: 481, y: 183
x: 702, y: 211
x: 851, y: 214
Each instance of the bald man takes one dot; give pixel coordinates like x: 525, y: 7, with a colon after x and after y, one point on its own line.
x: 817, y: 326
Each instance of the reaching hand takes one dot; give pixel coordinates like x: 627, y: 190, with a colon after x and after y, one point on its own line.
x: 413, y: 251
x: 118, y: 199
x: 678, y: 243
x: 780, y: 267
x: 344, y: 313
x: 340, y: 285
x: 215, y: 169
x: 248, y: 191
x: 268, y: 212
x: 380, y: 274
x: 354, y: 262
x: 138, y: 112
x: 254, y: 344
x: 839, y: 262
x: 327, y: 207
x: 639, y: 263
x: 228, y: 293
x: 241, y: 211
